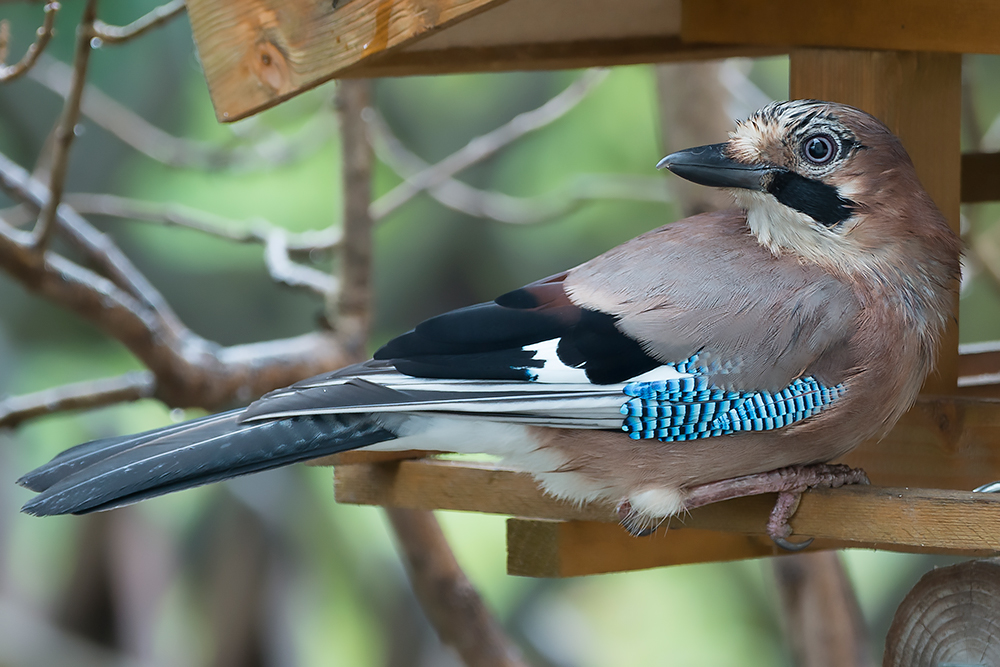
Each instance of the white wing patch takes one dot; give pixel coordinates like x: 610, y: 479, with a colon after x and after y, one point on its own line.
x: 554, y: 371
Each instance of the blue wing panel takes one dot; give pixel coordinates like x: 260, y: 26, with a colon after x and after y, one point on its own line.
x: 689, y: 408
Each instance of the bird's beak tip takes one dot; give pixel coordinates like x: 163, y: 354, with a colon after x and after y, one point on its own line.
x: 711, y: 166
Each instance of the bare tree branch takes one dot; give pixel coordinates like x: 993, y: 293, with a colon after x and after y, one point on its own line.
x: 117, y: 119
x: 257, y: 230
x: 283, y: 270
x: 98, y: 247
x: 506, y: 208
x: 487, y: 144
x: 823, y: 622
x: 89, y: 394
x: 189, y: 370
x: 352, y: 304
x: 42, y: 37
x: 455, y: 609
x: 113, y: 34
x: 66, y: 128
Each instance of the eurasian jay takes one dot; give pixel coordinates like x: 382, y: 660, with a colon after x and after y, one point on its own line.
x: 721, y: 355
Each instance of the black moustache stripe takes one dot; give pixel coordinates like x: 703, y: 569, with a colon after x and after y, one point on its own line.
x: 819, y: 201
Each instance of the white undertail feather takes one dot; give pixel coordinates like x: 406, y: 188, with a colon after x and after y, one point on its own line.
x: 513, y: 443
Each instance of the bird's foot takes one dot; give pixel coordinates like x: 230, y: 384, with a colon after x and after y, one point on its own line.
x: 789, y: 483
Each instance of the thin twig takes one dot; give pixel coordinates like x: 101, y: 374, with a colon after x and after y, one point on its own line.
x: 257, y: 230
x: 448, y: 597
x: 89, y: 394
x: 506, y: 208
x: 66, y: 128
x: 98, y: 247
x: 114, y: 34
x: 283, y: 270
x: 487, y: 144
x: 42, y: 37
x: 135, y: 131
x: 352, y: 304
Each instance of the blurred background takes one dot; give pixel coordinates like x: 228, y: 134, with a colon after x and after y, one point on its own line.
x: 268, y: 570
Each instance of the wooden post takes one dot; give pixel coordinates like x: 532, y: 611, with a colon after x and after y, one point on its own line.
x: 918, y: 95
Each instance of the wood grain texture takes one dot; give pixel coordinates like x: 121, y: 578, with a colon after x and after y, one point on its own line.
x: 918, y: 96
x: 942, y: 442
x: 545, y: 548
x: 256, y: 53
x: 571, y: 54
x: 955, y: 26
x: 951, y: 617
x: 540, y: 548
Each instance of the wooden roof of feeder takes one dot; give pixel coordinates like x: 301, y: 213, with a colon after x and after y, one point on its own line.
x: 256, y: 53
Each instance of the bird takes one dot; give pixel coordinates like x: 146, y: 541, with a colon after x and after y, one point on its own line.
x: 729, y: 353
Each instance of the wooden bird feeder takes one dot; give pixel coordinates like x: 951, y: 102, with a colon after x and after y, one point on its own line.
x: 900, y: 60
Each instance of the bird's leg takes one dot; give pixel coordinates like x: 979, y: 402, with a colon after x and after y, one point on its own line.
x: 789, y: 483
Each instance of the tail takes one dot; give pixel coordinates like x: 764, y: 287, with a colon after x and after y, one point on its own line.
x: 112, y: 472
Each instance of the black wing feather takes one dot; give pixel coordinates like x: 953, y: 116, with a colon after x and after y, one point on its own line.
x: 487, y: 341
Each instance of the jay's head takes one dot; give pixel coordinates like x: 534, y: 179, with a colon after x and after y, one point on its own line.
x: 825, y: 181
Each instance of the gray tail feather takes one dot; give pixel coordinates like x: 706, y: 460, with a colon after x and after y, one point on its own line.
x: 112, y: 472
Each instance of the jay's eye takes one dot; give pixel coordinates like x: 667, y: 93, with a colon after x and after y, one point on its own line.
x: 819, y: 148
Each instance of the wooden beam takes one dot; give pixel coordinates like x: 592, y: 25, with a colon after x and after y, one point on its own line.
x: 539, y: 548
x: 955, y: 26
x: 256, y: 53
x: 910, y: 520
x: 942, y: 442
x: 840, y: 513
x: 548, y: 56
x: 917, y: 95
x: 980, y: 177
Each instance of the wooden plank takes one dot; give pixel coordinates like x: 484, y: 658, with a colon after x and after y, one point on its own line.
x: 942, y: 442
x: 549, y: 56
x: 954, y: 26
x: 539, y: 548
x: 911, y: 520
x: 979, y: 367
x: 980, y: 177
x: 256, y: 53
x: 931, y: 519
x: 917, y: 95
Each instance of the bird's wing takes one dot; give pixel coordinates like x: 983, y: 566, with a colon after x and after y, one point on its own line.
x: 647, y: 325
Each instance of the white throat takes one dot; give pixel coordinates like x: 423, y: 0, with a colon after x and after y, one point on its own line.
x: 782, y: 229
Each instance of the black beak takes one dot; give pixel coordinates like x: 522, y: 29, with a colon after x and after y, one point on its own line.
x: 708, y: 165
